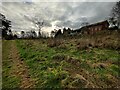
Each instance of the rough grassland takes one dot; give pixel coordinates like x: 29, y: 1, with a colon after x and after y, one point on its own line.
x: 87, y: 62
x: 1, y: 64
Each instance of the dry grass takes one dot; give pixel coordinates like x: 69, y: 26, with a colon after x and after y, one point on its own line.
x: 110, y: 41
x: 54, y: 42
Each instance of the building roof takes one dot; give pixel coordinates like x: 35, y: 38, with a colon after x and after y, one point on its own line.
x: 99, y: 23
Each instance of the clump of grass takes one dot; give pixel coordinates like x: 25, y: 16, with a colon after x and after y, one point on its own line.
x: 59, y: 57
x: 52, y: 78
x: 77, y: 81
x: 29, y: 43
x: 99, y: 65
x: 73, y: 61
x: 115, y: 70
x: 54, y: 43
x: 62, y: 46
x: 10, y: 82
x: 66, y: 58
x: 84, y: 44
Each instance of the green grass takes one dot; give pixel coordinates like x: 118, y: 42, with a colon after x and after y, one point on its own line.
x: 60, y: 64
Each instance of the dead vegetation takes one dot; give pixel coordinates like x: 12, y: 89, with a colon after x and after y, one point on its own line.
x: 54, y: 42
x: 108, y: 41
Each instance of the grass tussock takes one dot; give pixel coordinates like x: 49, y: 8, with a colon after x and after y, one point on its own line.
x: 54, y: 43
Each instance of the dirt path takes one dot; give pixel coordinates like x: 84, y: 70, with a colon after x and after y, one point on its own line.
x: 20, y: 69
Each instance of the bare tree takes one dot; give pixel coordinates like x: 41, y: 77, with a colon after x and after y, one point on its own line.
x: 39, y: 25
x: 84, y: 21
x: 116, y: 13
x: 35, y: 20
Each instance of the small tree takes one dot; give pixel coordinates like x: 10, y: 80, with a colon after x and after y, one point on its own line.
x: 53, y: 33
x: 22, y: 34
x: 113, y: 23
x: 84, y: 21
x: 15, y: 36
x: 64, y: 31
x: 34, y: 35
x: 69, y: 30
x: 9, y: 35
x: 58, y: 34
x: 40, y: 25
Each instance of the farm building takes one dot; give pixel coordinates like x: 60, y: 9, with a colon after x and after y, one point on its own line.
x: 93, y: 28
x: 89, y: 29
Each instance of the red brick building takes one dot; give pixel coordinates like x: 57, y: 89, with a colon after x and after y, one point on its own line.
x: 93, y: 28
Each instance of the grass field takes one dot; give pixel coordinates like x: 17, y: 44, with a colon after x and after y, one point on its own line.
x: 82, y: 62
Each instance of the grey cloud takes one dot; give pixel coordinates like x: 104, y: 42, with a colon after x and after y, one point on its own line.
x: 68, y: 14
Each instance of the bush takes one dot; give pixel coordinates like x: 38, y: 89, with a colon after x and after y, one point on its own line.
x: 9, y: 37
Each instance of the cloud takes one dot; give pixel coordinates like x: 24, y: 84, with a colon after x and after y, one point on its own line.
x: 59, y: 1
x: 64, y: 14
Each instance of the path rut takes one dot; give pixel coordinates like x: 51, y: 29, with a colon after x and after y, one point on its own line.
x: 20, y: 68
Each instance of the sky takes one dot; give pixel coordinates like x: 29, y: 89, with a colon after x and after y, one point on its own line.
x: 55, y: 14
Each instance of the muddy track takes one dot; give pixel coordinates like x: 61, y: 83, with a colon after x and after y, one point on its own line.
x: 20, y: 69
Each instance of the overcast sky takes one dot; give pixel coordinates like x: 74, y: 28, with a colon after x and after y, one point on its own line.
x: 54, y: 14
